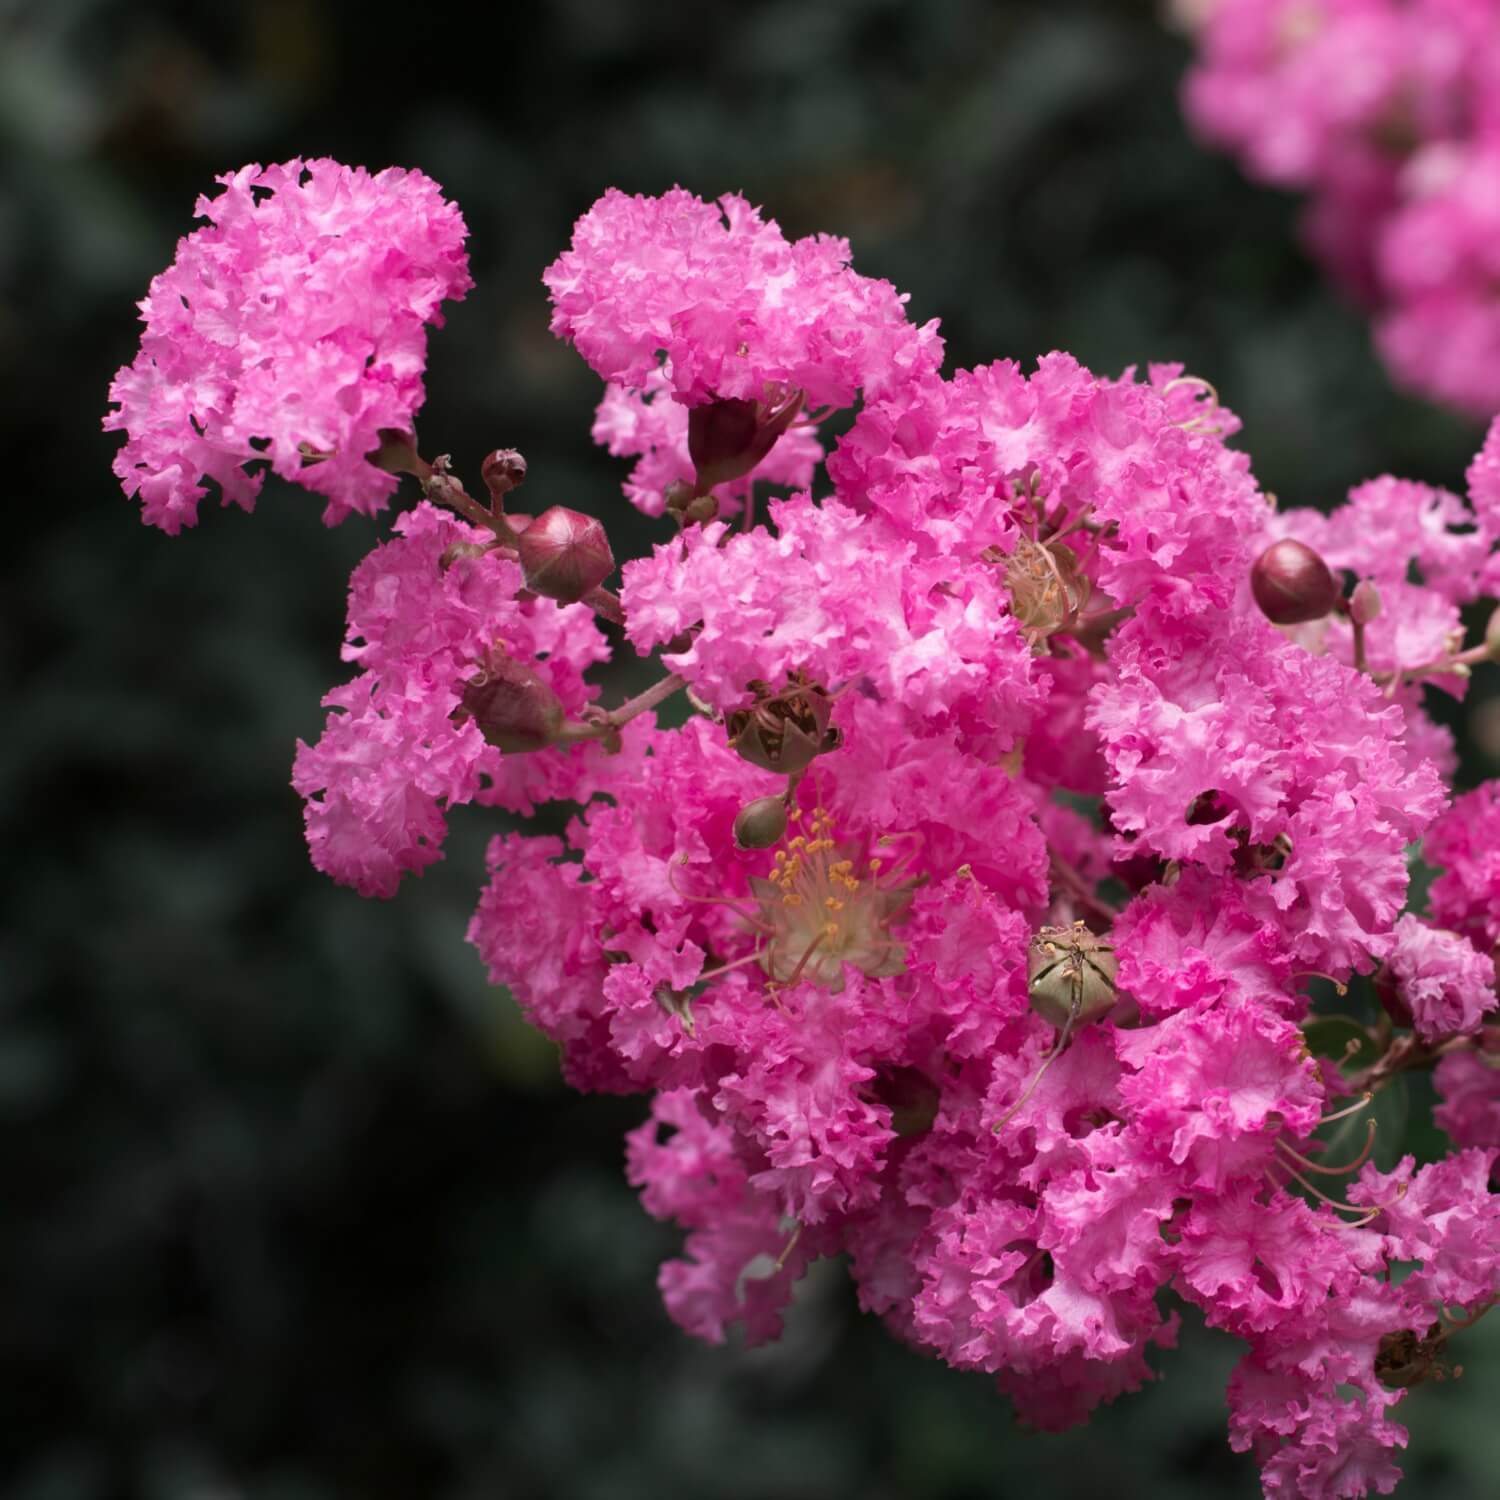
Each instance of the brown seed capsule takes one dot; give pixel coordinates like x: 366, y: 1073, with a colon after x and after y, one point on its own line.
x: 564, y: 554
x: 1071, y: 975
x: 760, y: 823
x: 1292, y: 584
x: 687, y: 507
x: 786, y: 731
x: 728, y: 437
x: 1403, y: 1360
x: 514, y: 709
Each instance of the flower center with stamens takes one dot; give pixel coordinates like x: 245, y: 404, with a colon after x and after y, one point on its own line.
x: 1048, y: 589
x: 826, y: 908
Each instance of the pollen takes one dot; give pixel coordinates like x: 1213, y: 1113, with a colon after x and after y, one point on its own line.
x: 825, y: 906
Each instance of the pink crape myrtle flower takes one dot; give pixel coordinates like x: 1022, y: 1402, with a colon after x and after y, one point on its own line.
x: 291, y: 329
x: 1469, y: 1085
x: 735, y: 307
x: 1441, y: 978
x: 1465, y: 844
x: 956, y: 895
x: 397, y: 751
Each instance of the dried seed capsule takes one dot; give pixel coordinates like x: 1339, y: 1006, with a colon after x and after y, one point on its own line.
x: 786, y: 731
x: 513, y: 707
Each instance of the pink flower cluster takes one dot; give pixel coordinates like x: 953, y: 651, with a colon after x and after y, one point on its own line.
x: 1388, y: 113
x: 968, y: 927
x: 292, y: 329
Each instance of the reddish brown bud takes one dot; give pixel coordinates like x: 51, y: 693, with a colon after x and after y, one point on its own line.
x: 760, y: 823
x: 514, y: 709
x: 728, y: 437
x: 1292, y: 584
x: 1364, y: 602
x: 564, y: 554
x: 503, y: 471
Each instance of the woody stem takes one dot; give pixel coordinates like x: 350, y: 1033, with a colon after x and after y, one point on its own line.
x: 1080, y: 890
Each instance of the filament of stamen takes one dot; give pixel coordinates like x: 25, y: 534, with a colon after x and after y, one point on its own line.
x: 732, y: 902
x: 790, y: 1245
x: 1322, y: 1171
x: 1349, y: 1109
x: 1036, y: 1078
x: 737, y: 963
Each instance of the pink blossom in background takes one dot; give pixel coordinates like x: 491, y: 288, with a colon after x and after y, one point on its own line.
x: 1387, y: 114
x: 1465, y: 844
x: 295, y: 322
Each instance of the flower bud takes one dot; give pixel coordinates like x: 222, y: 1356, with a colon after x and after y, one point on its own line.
x: 1071, y: 975
x: 503, y: 471
x: 786, y: 731
x: 564, y: 554
x: 1364, y: 602
x: 514, y: 709
x: 729, y: 436
x: 760, y: 823
x: 687, y: 507
x: 1292, y: 584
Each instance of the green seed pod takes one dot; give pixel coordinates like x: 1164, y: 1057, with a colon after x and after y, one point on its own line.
x: 1071, y: 975
x: 760, y: 823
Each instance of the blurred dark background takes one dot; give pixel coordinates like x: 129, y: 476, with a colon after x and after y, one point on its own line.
x: 295, y: 1206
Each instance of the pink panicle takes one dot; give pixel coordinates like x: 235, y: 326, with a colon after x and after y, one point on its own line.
x: 291, y: 329
x: 959, y: 916
x: 737, y: 309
